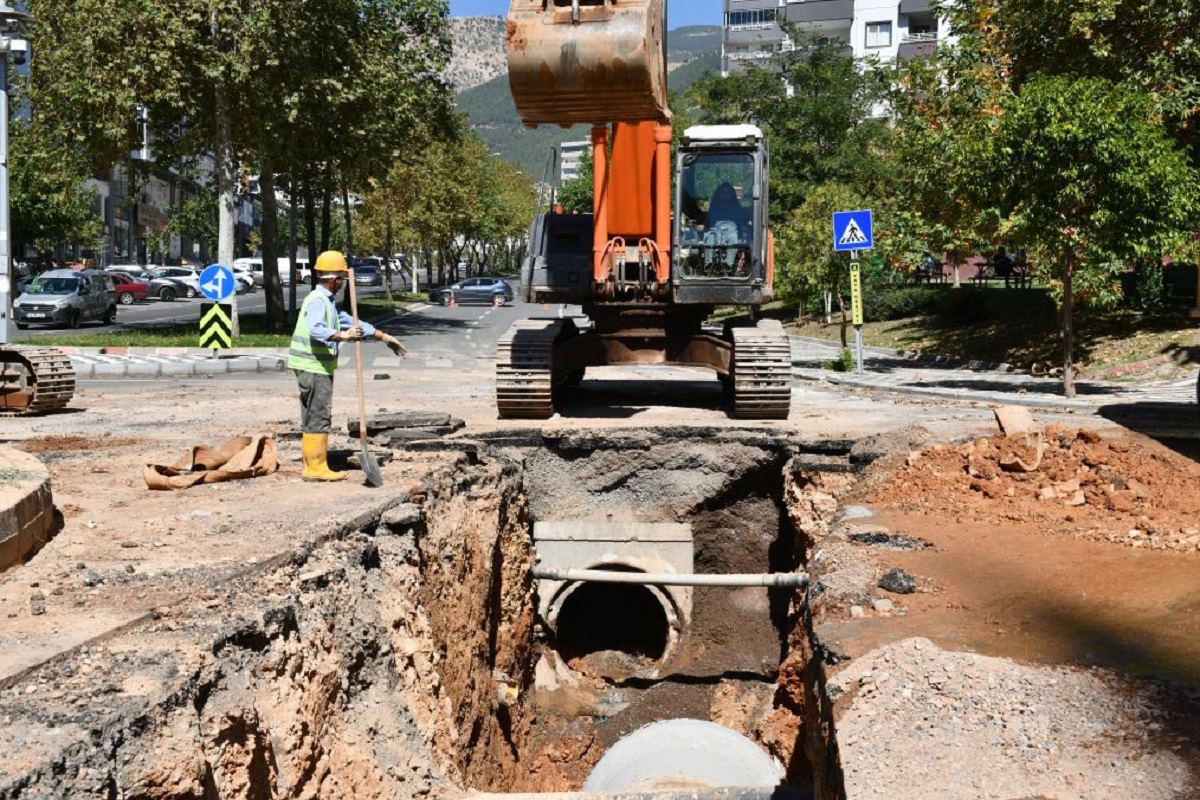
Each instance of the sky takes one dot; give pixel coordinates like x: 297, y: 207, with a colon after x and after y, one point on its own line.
x: 679, y: 12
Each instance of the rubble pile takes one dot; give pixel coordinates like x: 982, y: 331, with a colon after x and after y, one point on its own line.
x: 1078, y: 481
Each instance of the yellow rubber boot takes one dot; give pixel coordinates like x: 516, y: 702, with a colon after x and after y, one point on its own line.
x: 315, y: 448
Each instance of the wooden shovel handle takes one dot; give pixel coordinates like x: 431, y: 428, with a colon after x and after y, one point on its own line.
x: 358, y: 378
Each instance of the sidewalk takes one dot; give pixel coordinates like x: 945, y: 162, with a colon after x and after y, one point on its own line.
x: 891, y: 371
x: 883, y: 370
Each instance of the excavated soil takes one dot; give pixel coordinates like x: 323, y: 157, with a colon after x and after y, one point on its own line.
x: 268, y: 638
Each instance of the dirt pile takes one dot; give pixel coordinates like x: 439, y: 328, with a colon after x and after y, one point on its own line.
x: 975, y: 726
x: 1076, y: 482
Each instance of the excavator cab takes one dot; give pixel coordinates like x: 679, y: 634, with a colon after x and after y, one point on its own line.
x: 720, y: 242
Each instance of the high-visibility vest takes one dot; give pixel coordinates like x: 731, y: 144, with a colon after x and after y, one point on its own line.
x: 306, y: 353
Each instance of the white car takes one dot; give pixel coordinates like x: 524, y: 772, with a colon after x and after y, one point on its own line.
x: 188, y: 277
x: 246, y: 275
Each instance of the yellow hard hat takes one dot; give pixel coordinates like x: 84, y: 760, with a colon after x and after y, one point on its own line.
x: 331, y: 261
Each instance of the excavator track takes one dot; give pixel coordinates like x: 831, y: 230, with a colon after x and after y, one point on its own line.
x: 525, y: 369
x: 34, y: 380
x: 761, y: 379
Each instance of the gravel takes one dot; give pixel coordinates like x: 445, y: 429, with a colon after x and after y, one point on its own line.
x: 953, y: 718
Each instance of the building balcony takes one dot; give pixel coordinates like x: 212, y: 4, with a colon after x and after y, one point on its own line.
x: 912, y: 47
x: 914, y: 6
x: 811, y: 11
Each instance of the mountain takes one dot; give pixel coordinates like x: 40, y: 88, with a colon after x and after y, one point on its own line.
x: 692, y: 52
x: 478, y: 51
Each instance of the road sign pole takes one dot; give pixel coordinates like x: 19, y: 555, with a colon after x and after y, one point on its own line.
x: 856, y: 309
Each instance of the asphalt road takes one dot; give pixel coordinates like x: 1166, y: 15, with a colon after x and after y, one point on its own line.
x: 156, y: 313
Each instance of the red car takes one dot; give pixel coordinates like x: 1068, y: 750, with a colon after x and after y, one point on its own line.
x: 129, y: 290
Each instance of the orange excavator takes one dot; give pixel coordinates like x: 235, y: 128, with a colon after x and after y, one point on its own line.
x: 649, y: 265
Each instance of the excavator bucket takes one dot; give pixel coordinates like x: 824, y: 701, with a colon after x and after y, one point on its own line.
x: 587, y: 61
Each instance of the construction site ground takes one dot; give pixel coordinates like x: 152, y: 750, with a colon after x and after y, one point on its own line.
x: 1050, y: 647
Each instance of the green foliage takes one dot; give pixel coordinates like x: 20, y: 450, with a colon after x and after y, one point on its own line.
x: 843, y: 363
x: 819, y: 132
x: 196, y: 218
x: 805, y: 264
x: 49, y: 203
x: 575, y: 195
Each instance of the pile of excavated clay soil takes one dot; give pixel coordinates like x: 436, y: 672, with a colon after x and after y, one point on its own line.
x: 1071, y: 481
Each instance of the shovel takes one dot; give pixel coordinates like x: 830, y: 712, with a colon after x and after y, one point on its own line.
x: 369, y: 466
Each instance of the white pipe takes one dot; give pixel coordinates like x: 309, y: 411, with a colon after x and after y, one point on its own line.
x: 784, y: 580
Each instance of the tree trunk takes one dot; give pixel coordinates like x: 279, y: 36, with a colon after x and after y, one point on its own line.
x: 347, y: 216
x: 1068, y: 326
x: 387, y: 261
x: 227, y: 201
x: 292, y: 200
x: 272, y: 288
x: 310, y: 221
x: 957, y: 274
x: 326, y: 200
x: 844, y: 326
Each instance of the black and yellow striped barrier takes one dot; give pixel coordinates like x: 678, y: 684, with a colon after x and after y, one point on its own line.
x: 216, y: 327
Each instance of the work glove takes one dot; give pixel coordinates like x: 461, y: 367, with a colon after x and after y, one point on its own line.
x: 351, y: 334
x: 394, y: 345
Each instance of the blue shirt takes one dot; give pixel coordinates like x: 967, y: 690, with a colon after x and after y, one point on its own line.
x: 316, y: 319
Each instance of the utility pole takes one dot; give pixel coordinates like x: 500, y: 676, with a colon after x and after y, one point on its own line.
x: 12, y: 28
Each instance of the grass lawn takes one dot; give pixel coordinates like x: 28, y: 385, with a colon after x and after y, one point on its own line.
x: 254, y: 331
x: 1018, y: 328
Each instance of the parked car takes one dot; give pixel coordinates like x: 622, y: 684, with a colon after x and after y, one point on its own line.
x: 494, y: 291
x: 185, y: 275
x: 128, y: 290
x: 166, y: 289
x: 247, y: 276
x: 367, y: 271
x: 67, y: 297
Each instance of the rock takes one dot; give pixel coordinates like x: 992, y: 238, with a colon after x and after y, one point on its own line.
x: 402, y: 517
x: 856, y: 612
x: 90, y: 578
x: 882, y: 606
x: 1077, y: 499
x: 1047, y: 493
x: 897, y: 581
x: 1121, y: 499
x: 1015, y: 420
x: 912, y: 458
x: 856, y: 512
x: 399, y: 420
x: 1067, y: 487
x: 37, y: 607
x: 1089, y: 436
x: 1139, y: 489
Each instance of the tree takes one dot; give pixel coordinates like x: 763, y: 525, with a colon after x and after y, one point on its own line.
x: 321, y: 91
x: 1085, y: 175
x: 815, y: 105
x: 575, y: 195
x: 195, y: 218
x: 49, y: 204
x: 806, y: 265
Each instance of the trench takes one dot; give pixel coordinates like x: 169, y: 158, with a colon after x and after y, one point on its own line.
x: 406, y: 655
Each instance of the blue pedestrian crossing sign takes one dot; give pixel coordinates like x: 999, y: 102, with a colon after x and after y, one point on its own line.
x: 216, y: 282
x: 852, y: 230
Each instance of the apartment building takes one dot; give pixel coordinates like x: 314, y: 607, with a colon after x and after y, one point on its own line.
x: 570, y: 157
x: 888, y: 29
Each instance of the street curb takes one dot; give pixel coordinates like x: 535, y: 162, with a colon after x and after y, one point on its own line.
x: 122, y: 368
x: 918, y: 357
x: 950, y: 394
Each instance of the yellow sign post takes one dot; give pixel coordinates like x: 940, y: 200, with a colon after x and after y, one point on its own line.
x: 216, y: 328
x: 856, y: 311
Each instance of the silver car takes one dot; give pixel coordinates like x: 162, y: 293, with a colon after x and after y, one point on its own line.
x: 67, y: 298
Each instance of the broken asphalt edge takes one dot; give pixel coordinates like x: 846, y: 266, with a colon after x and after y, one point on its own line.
x: 325, y: 531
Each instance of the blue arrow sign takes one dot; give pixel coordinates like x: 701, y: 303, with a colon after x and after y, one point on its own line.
x: 852, y: 230
x: 216, y: 282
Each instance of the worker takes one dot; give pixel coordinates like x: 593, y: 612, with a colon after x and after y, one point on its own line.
x: 727, y: 218
x: 314, y: 354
